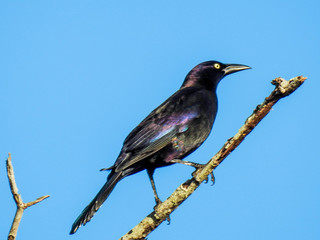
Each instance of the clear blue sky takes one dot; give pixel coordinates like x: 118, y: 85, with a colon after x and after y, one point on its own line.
x: 77, y: 76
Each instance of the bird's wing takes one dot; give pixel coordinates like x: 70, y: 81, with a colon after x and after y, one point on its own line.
x: 146, y: 152
x: 156, y: 131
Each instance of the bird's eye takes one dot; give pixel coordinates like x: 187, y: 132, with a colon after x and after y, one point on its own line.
x: 217, y: 66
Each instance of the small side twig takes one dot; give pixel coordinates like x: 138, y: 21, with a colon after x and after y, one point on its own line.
x: 282, y: 89
x: 21, y: 206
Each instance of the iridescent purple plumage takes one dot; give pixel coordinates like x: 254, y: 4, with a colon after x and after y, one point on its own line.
x: 175, y: 121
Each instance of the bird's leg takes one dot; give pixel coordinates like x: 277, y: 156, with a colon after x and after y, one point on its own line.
x: 150, y: 174
x: 197, y: 166
x: 157, y: 199
x: 192, y: 164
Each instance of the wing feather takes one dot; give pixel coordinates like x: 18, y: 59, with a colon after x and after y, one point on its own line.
x: 156, y: 131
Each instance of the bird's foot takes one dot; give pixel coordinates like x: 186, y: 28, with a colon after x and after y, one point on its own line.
x: 212, y: 179
x: 155, y: 208
x: 199, y: 167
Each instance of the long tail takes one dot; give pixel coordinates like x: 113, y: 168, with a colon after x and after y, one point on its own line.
x: 96, y: 203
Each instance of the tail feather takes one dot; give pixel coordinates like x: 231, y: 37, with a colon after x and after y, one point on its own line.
x: 96, y: 203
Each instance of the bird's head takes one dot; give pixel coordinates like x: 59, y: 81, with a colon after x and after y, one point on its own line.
x: 208, y: 74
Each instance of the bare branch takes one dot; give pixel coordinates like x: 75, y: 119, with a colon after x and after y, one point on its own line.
x: 21, y: 206
x: 282, y: 89
x: 26, y: 205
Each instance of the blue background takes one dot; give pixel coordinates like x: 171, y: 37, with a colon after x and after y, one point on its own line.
x: 77, y: 76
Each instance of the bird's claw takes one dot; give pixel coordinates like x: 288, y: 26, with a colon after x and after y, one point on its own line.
x: 212, y: 179
x: 155, y: 208
x: 168, y: 220
x: 200, y: 167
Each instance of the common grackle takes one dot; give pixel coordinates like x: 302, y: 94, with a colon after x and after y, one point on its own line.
x: 169, y: 133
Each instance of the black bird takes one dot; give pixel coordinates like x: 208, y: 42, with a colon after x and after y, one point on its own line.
x: 169, y: 133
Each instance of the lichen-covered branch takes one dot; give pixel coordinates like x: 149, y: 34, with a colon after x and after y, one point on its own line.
x: 21, y: 206
x: 282, y: 89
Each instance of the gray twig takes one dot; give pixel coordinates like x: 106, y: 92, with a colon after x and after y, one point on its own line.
x: 21, y: 206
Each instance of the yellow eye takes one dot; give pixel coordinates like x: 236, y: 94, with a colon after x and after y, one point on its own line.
x: 216, y: 65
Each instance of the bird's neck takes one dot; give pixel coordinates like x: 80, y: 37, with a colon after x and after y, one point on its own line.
x: 194, y: 79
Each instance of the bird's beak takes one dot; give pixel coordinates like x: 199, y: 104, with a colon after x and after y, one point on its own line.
x: 231, y: 68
